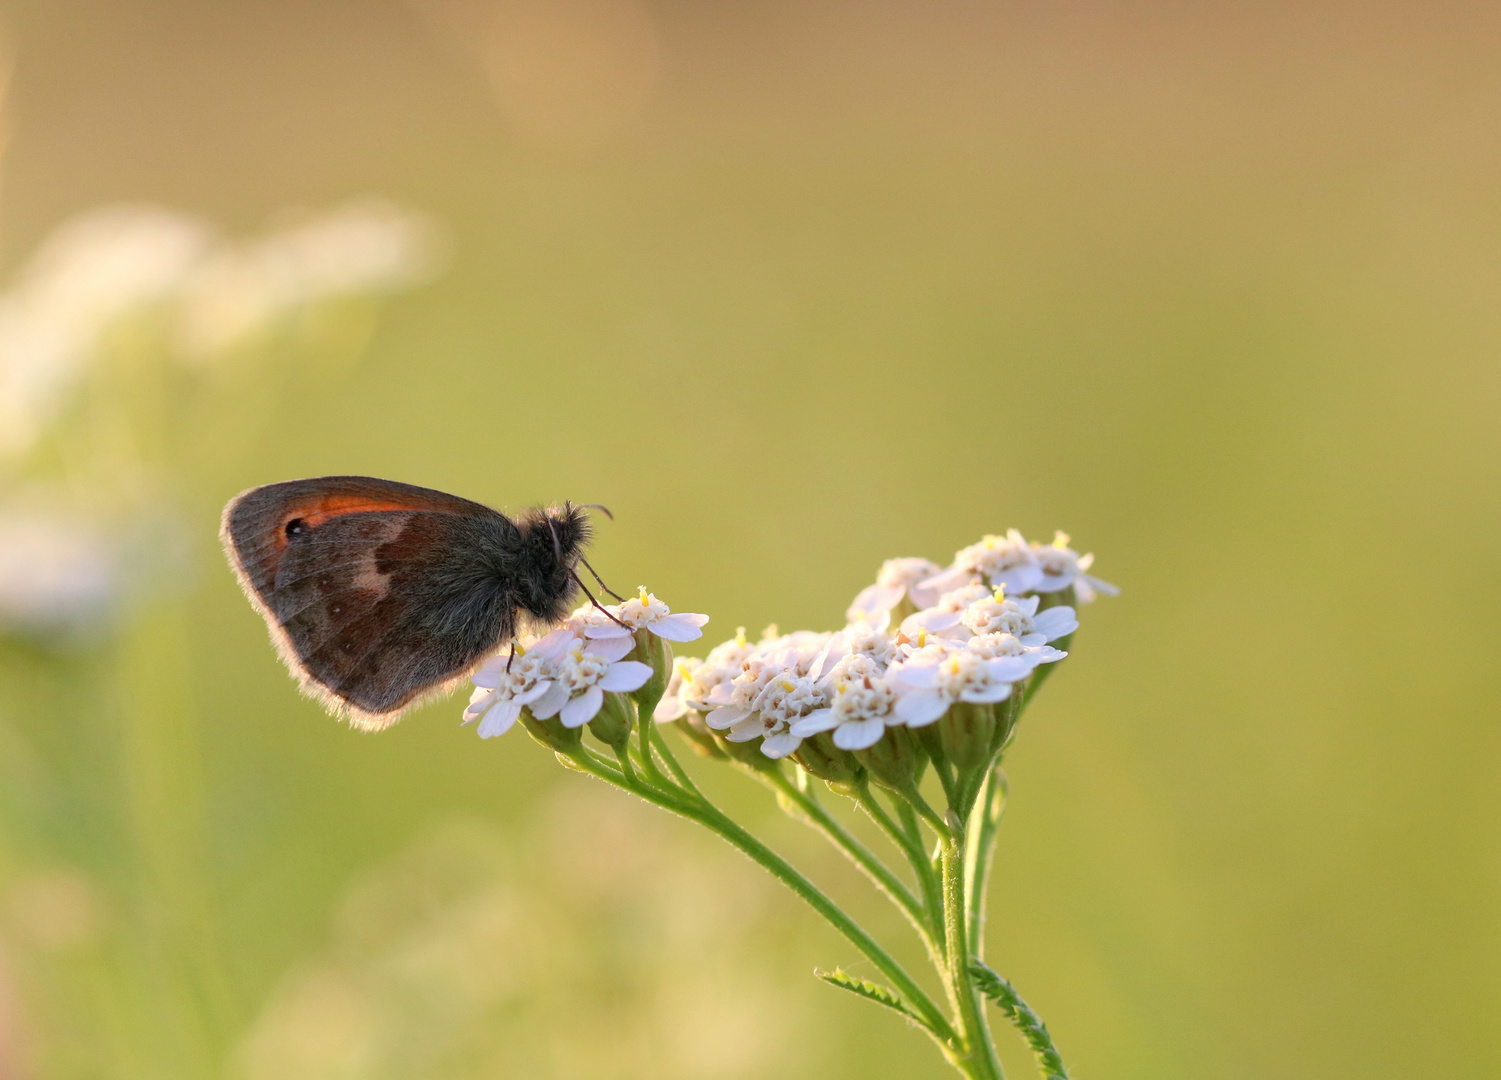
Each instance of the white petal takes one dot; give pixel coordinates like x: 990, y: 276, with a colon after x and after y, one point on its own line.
x: 725, y: 716
x: 499, y: 719
x: 949, y: 580
x: 780, y: 745
x: 1052, y: 583
x: 859, y: 734
x: 721, y: 693
x: 611, y: 649
x: 872, y: 600
x: 915, y: 676
x: 677, y: 628
x: 625, y: 675
x: 1055, y: 622
x: 490, y: 672
x: 1028, y: 604
x: 1009, y: 669
x: 526, y: 697
x: 669, y: 709
x: 745, y: 729
x: 605, y: 631
x: 921, y: 707
x: 816, y: 721
x: 478, y: 704
x: 1101, y: 586
x: 548, y: 704
x: 982, y: 695
x: 580, y: 710
x: 1046, y: 654
x: 1018, y: 579
x: 1033, y: 639
x: 556, y: 643
x: 923, y: 596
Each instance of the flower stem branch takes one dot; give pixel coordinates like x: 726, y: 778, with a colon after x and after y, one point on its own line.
x: 815, y: 816
x: 699, y: 809
x: 916, y: 854
x: 979, y: 848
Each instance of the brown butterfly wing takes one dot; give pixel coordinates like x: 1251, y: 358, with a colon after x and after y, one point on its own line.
x: 369, y: 587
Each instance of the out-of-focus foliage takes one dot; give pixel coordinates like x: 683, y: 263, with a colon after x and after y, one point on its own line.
x: 792, y: 288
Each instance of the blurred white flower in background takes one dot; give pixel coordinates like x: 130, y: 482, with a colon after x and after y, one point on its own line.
x: 108, y: 264
x: 57, y: 576
x: 364, y: 247
x: 91, y: 272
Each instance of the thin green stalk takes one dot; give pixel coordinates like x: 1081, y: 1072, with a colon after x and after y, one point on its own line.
x: 649, y: 729
x: 977, y: 1057
x: 703, y: 812
x: 997, y: 989
x: 924, y: 809
x: 979, y: 847
x: 869, y: 863
x: 917, y: 856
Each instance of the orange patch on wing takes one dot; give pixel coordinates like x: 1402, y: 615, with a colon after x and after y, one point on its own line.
x: 331, y: 506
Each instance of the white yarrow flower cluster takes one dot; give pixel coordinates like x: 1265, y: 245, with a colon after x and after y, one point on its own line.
x: 567, y: 673
x: 979, y: 630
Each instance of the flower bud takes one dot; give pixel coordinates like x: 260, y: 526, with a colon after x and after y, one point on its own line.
x: 1006, y: 714
x: 838, y: 768
x: 897, y: 760
x: 551, y: 733
x: 966, y: 731
x: 747, y: 753
x: 655, y: 652
x: 612, y: 724
x: 705, y: 743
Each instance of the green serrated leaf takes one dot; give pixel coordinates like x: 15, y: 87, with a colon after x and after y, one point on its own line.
x: 870, y: 991
x: 998, y: 990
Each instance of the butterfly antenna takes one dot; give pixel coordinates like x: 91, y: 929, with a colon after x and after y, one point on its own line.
x: 608, y: 613
x: 601, y: 580
x: 557, y: 546
x: 600, y: 507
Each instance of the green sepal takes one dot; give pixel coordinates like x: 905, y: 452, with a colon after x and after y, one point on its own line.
x: 837, y: 768
x: 551, y: 733
x: 656, y: 654
x: 613, y: 723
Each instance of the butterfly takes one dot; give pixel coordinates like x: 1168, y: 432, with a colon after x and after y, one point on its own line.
x: 380, y: 595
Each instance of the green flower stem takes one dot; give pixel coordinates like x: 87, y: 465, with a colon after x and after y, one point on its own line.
x: 655, y: 740
x: 702, y: 811
x: 814, y: 815
x: 975, y: 1056
x: 1049, y: 1063
x: 917, y: 856
x: 979, y: 846
x: 914, y: 799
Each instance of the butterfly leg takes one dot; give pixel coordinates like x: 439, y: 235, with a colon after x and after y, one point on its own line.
x: 608, y: 614
x: 599, y: 579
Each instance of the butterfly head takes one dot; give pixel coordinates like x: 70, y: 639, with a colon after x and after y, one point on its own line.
x: 553, y: 540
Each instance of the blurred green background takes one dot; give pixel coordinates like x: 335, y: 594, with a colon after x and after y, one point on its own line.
x: 794, y: 288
